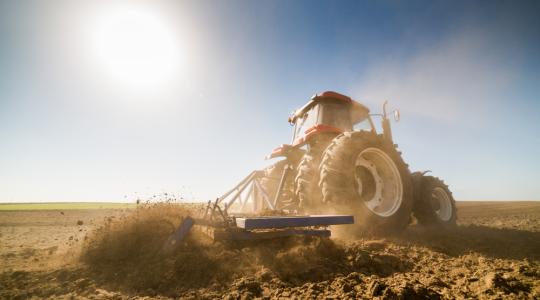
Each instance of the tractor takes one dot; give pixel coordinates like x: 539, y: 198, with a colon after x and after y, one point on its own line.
x: 337, y: 162
x: 337, y: 171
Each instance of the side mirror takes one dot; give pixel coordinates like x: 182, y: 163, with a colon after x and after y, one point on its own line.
x: 397, y: 116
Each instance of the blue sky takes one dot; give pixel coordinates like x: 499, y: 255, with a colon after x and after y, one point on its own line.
x: 465, y: 75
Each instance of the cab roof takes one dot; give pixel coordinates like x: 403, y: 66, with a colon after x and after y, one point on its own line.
x: 358, y: 110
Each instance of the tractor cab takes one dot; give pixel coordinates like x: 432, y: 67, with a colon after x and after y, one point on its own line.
x: 328, y: 112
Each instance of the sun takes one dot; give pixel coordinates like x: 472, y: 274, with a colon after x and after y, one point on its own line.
x: 134, y: 47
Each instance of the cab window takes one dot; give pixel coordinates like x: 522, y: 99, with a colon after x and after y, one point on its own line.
x: 308, y: 120
x: 335, y: 115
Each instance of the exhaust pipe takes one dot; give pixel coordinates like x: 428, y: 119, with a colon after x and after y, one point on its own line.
x: 387, y: 130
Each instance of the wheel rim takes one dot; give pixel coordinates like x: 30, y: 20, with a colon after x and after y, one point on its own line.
x: 378, y: 182
x: 442, y: 200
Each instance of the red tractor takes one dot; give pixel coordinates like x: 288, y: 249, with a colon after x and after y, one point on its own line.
x: 337, y: 162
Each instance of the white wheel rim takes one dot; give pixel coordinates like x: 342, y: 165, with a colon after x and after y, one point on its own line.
x: 444, y: 212
x: 385, y: 197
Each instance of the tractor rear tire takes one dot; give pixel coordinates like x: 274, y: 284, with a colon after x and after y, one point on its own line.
x: 306, y: 184
x: 362, y: 173
x: 270, y: 183
x: 307, y: 190
x: 434, y: 205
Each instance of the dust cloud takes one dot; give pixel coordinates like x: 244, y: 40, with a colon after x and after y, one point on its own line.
x: 452, y: 81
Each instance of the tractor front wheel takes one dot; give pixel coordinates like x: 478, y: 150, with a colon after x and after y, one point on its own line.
x: 434, y: 205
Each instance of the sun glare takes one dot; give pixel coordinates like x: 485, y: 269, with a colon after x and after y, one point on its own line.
x: 135, y: 48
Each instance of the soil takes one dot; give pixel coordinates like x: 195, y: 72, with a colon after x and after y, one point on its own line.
x: 493, y: 253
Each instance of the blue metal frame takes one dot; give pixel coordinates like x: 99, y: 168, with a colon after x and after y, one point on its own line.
x: 292, y: 221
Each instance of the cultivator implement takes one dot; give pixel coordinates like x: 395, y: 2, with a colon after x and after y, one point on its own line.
x: 220, y: 226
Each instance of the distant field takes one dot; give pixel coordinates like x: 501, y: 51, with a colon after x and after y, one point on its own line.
x: 65, y: 206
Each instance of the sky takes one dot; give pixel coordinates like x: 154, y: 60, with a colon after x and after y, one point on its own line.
x: 115, y: 100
